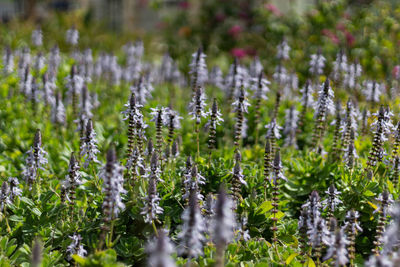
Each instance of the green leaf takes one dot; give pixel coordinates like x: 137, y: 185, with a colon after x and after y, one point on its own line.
x: 36, y: 211
x: 310, y: 262
x: 368, y: 193
x: 265, y: 207
x: 16, y: 218
x: 78, y: 259
x: 290, y: 258
x: 27, y: 201
x: 278, y: 215
x: 372, y: 205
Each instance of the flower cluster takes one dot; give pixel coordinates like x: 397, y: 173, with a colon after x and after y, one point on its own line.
x: 113, y: 181
x: 76, y: 247
x: 35, y: 161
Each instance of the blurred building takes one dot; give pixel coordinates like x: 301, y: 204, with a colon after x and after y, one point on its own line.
x: 127, y: 15
x: 118, y: 15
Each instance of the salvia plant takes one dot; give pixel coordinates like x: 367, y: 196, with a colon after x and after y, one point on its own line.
x: 352, y: 229
x: 194, y: 184
x: 193, y: 229
x: 336, y: 134
x: 260, y: 88
x: 160, y: 250
x: 223, y: 226
x: 384, y: 199
x: 71, y: 182
x: 198, y: 69
x: 89, y: 148
x: 214, y: 120
x: 277, y: 177
x: 241, y: 108
x: 323, y: 107
x: 36, y: 160
x: 317, y: 64
x: 112, y: 176
x: 152, y: 208
x: 382, y: 127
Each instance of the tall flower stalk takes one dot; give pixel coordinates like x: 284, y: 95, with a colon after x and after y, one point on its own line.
x: 74, y: 84
x: 268, y: 157
x: 273, y: 135
x: 323, y: 106
x: 349, y: 126
x: 352, y: 228
x: 350, y: 153
x: 241, y: 107
x: 302, y: 228
x: 112, y: 175
x: 160, y: 250
x: 173, y: 123
x: 382, y: 127
x: 317, y: 64
x: 58, y: 111
x: 35, y: 161
x: 159, y: 118
x: 223, y: 224
x: 396, y: 171
x: 277, y: 177
x: 192, y: 232
x: 396, y: 144
x: 72, y: 181
x: 290, y: 127
x: 89, y: 148
x: 135, y: 124
x: 215, y: 119
x: 384, y: 199
x: 316, y: 226
x: 275, y: 111
x: 152, y: 208
x: 332, y: 201
x: 337, y: 248
x: 237, y: 179
x: 193, y: 180
x: 336, y: 133
x: 198, y: 70
x: 197, y: 111
x: 260, y: 88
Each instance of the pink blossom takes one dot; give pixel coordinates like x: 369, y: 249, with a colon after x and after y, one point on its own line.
x: 250, y: 51
x: 396, y: 71
x: 184, y: 5
x: 238, y: 52
x: 235, y: 30
x: 349, y: 38
x: 341, y: 27
x: 328, y: 33
x: 220, y: 17
x: 273, y: 9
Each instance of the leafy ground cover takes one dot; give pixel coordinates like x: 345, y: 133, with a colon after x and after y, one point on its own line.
x: 121, y: 155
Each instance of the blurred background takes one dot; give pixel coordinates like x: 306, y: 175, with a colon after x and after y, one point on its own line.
x: 125, y: 15
x: 367, y: 30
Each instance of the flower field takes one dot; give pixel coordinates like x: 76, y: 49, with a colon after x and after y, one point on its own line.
x: 268, y: 140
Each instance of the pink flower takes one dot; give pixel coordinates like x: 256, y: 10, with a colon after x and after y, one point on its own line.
x: 341, y: 27
x: 328, y: 33
x: 220, y: 17
x: 396, y: 71
x: 238, y: 52
x: 349, y: 38
x: 184, y: 5
x: 235, y: 30
x: 250, y: 51
x: 273, y: 9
